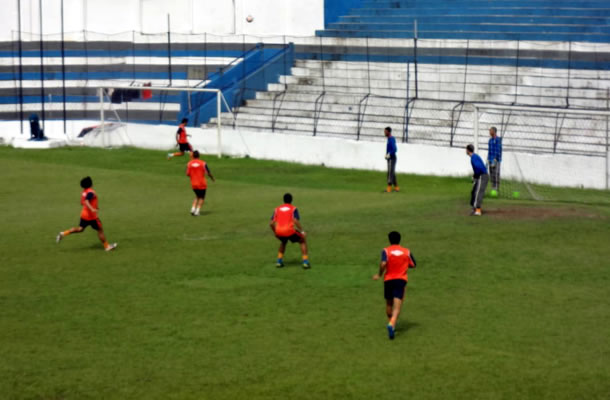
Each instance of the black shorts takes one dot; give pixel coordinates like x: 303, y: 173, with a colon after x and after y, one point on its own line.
x: 394, y: 289
x: 94, y: 223
x: 294, y: 238
x: 184, y: 147
x: 200, y: 193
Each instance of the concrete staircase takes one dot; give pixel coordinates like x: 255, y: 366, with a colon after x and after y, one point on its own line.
x: 356, y: 100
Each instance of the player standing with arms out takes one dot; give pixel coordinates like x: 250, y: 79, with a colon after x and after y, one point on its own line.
x: 390, y: 156
x: 196, y: 169
x: 286, y: 226
x: 494, y: 158
x: 479, y: 180
x: 395, y: 261
x: 88, y: 215
x: 181, y: 139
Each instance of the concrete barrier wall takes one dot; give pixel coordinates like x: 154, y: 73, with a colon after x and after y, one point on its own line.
x: 557, y: 170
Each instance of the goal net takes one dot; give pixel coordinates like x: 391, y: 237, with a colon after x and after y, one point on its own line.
x: 120, y: 105
x: 547, y: 154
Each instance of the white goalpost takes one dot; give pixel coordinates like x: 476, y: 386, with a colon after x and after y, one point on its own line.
x: 104, y: 126
x: 544, y: 148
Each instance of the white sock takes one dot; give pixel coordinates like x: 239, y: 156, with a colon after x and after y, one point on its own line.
x: 197, y: 211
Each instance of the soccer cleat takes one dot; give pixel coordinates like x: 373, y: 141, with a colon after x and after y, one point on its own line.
x: 60, y: 236
x: 306, y: 264
x: 389, y: 189
x: 396, y: 189
x: 169, y: 155
x: 391, y: 331
x: 111, y: 247
x: 279, y: 263
x: 477, y: 212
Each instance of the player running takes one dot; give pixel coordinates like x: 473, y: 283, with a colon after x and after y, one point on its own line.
x: 196, y: 169
x: 181, y: 139
x: 286, y: 226
x: 395, y: 261
x: 88, y: 216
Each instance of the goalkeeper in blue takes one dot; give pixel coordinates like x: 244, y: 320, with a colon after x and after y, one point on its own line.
x: 494, y: 157
x: 480, y: 179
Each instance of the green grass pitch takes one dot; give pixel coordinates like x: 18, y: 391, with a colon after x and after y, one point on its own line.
x: 511, y: 305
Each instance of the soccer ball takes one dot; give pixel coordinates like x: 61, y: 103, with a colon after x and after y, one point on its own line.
x: 249, y: 18
x: 494, y: 193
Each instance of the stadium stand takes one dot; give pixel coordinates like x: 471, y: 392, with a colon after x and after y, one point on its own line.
x: 542, y: 20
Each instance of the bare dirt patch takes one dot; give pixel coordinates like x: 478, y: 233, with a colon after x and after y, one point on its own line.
x: 526, y: 212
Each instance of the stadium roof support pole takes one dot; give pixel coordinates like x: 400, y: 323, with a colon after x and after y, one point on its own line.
x: 100, y: 91
x: 218, y: 107
x: 476, y: 129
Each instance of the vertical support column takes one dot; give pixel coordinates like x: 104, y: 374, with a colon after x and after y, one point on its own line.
x: 41, y: 65
x: 63, y: 66
x: 169, y: 50
x: 476, y: 129
x: 219, y: 112
x: 100, y: 92
x: 20, y: 66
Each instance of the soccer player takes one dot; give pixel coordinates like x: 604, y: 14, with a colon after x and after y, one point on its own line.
x: 494, y: 157
x: 181, y: 139
x: 395, y: 261
x: 196, y: 169
x: 390, y: 156
x: 479, y: 180
x: 286, y: 226
x: 88, y: 216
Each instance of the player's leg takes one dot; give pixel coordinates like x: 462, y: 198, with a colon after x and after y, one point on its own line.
x: 389, y: 303
x: 194, y: 206
x: 77, y: 229
x: 498, y: 176
x: 396, y: 290
x: 280, y: 252
x: 473, y: 193
x: 394, y: 182
x: 483, y: 180
x: 97, y: 225
x: 198, y: 202
x: 303, y: 244
x: 389, y: 177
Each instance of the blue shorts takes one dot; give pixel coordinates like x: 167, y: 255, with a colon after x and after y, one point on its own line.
x: 394, y: 289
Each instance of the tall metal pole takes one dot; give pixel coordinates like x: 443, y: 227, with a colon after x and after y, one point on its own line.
x: 415, y: 57
x: 41, y: 64
x: 219, y: 133
x: 169, y: 49
x: 20, y: 66
x: 476, y: 129
x: 63, y: 66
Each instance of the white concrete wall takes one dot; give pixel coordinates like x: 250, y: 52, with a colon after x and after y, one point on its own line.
x: 271, y: 17
x: 557, y: 170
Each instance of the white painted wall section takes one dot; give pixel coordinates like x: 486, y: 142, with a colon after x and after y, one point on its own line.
x: 557, y: 170
x: 271, y: 17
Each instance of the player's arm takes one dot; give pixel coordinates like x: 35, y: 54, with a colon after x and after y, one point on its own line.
x: 272, y: 222
x: 297, y: 223
x: 412, y: 262
x: 382, y: 266
x: 90, y: 207
x: 207, y: 170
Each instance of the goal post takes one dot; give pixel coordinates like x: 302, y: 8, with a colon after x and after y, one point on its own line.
x: 105, y: 110
x: 544, y: 149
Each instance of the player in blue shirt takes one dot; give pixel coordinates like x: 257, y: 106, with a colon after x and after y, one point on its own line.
x: 479, y: 180
x: 494, y: 157
x: 390, y: 156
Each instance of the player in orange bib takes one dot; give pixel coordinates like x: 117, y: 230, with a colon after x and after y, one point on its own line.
x: 286, y: 226
x: 88, y: 215
x: 395, y: 262
x: 181, y: 140
x: 196, y: 169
